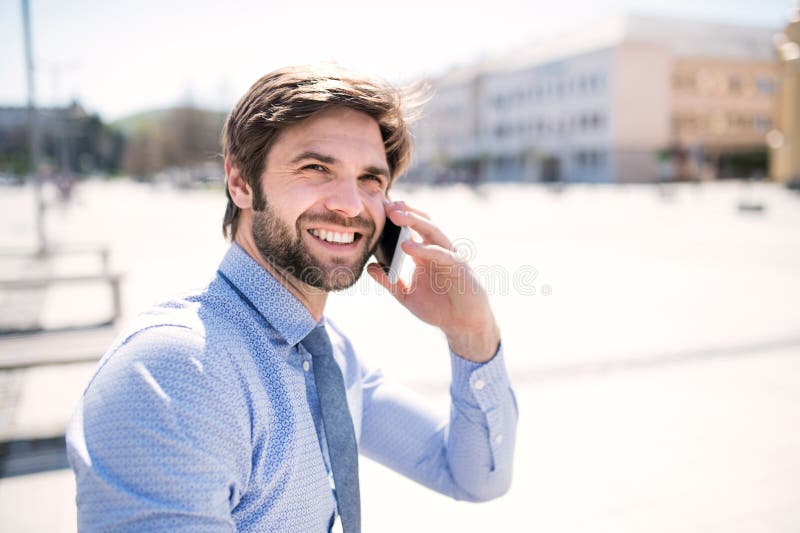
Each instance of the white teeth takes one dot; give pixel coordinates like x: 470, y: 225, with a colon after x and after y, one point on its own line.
x: 334, y: 236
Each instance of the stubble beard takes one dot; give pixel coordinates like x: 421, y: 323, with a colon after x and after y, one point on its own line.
x: 284, y: 249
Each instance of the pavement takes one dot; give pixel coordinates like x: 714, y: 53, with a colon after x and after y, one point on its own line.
x: 652, y: 336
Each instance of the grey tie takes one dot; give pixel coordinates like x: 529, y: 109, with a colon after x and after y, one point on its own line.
x: 338, y: 424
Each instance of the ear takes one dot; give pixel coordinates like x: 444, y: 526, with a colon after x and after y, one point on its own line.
x: 238, y: 188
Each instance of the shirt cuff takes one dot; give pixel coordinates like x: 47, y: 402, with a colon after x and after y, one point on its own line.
x: 485, y: 384
x: 485, y: 388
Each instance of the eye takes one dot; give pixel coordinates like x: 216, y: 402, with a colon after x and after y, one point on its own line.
x: 315, y: 166
x: 372, y: 177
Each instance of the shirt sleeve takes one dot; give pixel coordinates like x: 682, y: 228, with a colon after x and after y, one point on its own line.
x: 468, y: 456
x: 156, y: 445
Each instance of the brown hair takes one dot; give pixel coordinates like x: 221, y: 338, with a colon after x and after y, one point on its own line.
x: 291, y: 95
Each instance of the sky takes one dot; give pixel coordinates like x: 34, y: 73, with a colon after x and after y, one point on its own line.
x: 122, y: 57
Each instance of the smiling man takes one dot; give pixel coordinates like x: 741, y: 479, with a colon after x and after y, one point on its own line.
x: 241, y: 406
x: 323, y: 230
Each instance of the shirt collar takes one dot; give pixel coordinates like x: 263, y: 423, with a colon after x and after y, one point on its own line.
x: 267, y: 295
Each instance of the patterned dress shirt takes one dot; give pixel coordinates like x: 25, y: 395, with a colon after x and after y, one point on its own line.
x: 204, y: 416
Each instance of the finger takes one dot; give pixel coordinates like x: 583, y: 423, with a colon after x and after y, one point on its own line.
x: 398, y: 290
x: 431, y: 253
x: 402, y: 206
x: 429, y: 232
x: 418, y: 259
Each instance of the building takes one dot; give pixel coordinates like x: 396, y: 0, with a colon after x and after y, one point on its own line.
x: 784, y: 140
x: 72, y: 141
x: 632, y: 98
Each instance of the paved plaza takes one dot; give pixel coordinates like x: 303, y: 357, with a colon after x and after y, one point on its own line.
x: 652, y: 335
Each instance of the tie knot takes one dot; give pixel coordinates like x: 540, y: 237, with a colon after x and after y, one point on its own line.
x: 318, y: 343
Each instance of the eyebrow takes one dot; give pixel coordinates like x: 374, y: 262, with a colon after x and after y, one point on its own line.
x: 329, y: 160
x: 315, y: 155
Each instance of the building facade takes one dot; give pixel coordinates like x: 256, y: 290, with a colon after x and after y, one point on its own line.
x: 784, y: 140
x: 72, y: 141
x: 629, y: 99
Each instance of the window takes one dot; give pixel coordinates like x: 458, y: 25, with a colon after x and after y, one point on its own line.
x: 738, y: 121
x: 765, y: 85
x: 763, y: 124
x: 502, y: 130
x: 588, y: 159
x: 684, y: 81
x: 687, y: 123
x: 734, y: 84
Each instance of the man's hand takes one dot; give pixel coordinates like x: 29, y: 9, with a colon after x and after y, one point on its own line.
x: 443, y: 290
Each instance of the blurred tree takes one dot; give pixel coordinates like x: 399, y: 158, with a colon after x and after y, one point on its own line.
x: 184, y: 137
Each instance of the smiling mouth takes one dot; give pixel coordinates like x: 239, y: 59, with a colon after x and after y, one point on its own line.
x: 336, y: 237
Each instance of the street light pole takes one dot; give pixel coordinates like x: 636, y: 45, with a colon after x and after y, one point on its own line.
x: 34, y: 137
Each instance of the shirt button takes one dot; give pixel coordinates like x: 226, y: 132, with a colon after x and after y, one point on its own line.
x: 479, y: 384
x: 498, y: 440
x: 306, y: 366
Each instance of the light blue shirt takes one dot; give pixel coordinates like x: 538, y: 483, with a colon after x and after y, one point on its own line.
x: 201, y: 417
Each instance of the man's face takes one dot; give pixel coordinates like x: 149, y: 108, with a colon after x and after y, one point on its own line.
x: 324, y: 182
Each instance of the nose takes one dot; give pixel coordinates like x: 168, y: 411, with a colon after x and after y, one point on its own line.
x: 344, y: 198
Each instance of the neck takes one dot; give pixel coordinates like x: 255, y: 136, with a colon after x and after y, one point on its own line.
x: 311, y: 297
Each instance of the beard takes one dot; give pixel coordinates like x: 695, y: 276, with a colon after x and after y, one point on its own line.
x: 284, y: 249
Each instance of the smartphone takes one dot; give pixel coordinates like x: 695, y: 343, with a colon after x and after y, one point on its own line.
x: 389, y: 253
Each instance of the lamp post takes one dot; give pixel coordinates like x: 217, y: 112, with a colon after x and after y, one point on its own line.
x: 34, y: 136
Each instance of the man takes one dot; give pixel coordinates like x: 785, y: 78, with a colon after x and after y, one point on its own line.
x: 241, y: 406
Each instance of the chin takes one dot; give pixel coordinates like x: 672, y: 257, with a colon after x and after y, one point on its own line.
x: 341, y: 277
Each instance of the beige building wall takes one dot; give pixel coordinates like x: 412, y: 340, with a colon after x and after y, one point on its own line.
x: 785, y: 142
x: 639, y: 109
x: 721, y: 105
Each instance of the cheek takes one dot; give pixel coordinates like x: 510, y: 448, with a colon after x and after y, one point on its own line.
x: 295, y: 203
x: 377, y: 213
